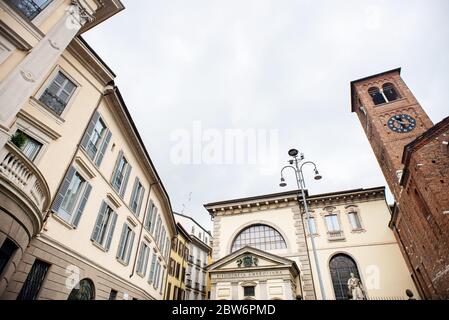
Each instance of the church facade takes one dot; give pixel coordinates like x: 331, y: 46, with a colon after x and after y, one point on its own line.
x: 262, y: 249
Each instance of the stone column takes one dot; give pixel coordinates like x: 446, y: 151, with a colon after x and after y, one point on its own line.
x: 23, y: 81
x: 263, y: 290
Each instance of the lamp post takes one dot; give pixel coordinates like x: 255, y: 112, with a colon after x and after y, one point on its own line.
x: 297, y: 165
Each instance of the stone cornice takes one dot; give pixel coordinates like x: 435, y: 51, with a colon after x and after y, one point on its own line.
x: 284, y: 200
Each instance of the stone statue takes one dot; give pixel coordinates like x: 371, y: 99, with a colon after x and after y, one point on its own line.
x: 355, y: 288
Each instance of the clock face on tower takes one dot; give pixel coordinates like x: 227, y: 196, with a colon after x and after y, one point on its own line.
x: 402, y: 123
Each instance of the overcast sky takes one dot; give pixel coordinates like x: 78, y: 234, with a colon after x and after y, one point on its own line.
x: 269, y: 65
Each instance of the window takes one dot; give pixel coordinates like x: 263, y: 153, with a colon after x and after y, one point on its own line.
x: 355, y: 220
x: 29, y: 8
x: 96, y: 139
x: 377, y: 96
x: 121, y: 174
x: 311, y: 226
x: 113, y: 294
x: 142, y: 261
x: 33, y: 283
x: 84, y: 290
x: 333, y: 225
x: 249, y: 291
x: 58, y: 94
x: 30, y: 147
x: 390, y: 92
x: 72, y: 197
x: 260, y: 237
x: 104, y: 226
x: 137, y: 197
x: 341, y: 266
x: 126, y: 244
x: 167, y: 296
x: 6, y: 252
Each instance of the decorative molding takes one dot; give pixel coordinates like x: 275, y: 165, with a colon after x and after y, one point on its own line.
x: 85, y: 167
x: 28, y: 76
x: 32, y: 120
x: 54, y: 44
x: 113, y: 199
x: 132, y: 221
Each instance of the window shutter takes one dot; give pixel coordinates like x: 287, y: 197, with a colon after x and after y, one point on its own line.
x: 63, y: 190
x: 101, y: 214
x: 153, y: 220
x: 88, y: 134
x: 125, y: 181
x: 103, y: 148
x: 147, y: 256
x: 111, y: 231
x: 139, y: 207
x: 130, y: 246
x: 115, y: 173
x: 122, y: 241
x: 80, y: 210
x: 140, y: 259
x: 133, y: 194
x: 151, y: 275
x: 149, y: 216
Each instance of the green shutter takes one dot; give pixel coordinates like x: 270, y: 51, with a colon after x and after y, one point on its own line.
x: 100, y: 218
x: 103, y: 149
x: 115, y: 173
x: 130, y: 247
x: 122, y: 241
x: 111, y: 231
x: 125, y: 180
x: 140, y: 259
x: 133, y: 194
x: 153, y: 265
x: 139, y: 206
x: 82, y: 205
x: 88, y: 134
x: 147, y: 255
x: 148, y: 222
x: 59, y: 199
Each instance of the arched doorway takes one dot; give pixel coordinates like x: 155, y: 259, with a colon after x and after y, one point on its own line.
x: 85, y: 290
x: 341, y: 266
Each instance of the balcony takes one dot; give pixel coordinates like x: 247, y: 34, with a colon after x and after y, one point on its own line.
x: 25, y: 183
x: 337, y: 235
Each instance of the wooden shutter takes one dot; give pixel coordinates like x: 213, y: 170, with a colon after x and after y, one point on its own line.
x: 133, y: 194
x: 122, y: 241
x: 149, y: 216
x: 147, y: 256
x: 125, y: 180
x: 115, y: 173
x: 100, y: 218
x: 82, y: 205
x: 139, y: 206
x: 111, y: 231
x: 151, y: 275
x: 89, y: 131
x: 140, y: 259
x: 59, y: 199
x: 103, y: 148
x: 130, y: 246
x: 153, y: 221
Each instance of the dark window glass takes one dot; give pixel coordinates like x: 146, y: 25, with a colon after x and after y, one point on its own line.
x: 260, y: 237
x: 341, y: 267
x: 249, y: 291
x: 29, y: 8
x: 113, y: 295
x: 6, y: 251
x: 390, y: 92
x: 34, y: 281
x: 377, y: 96
x: 84, y: 290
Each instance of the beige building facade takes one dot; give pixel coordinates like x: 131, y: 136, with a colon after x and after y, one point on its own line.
x: 83, y: 212
x: 260, y: 242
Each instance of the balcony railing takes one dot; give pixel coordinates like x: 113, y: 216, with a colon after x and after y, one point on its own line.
x: 336, y: 235
x: 28, y: 8
x: 21, y: 173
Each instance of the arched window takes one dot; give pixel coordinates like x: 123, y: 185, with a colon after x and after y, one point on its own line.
x: 390, y: 92
x: 85, y: 290
x: 376, y: 95
x: 341, y: 266
x: 260, y: 237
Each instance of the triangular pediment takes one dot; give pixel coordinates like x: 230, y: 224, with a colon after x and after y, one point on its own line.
x: 250, y: 258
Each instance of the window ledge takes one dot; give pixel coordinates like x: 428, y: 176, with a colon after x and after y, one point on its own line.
x: 358, y: 230
x: 62, y: 221
x: 122, y: 262
x: 99, y: 246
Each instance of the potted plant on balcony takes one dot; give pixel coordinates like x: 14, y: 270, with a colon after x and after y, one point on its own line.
x: 19, y: 139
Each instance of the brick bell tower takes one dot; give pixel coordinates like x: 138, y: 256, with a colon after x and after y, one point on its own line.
x: 391, y: 117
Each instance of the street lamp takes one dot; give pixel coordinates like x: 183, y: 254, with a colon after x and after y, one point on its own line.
x: 298, y: 163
